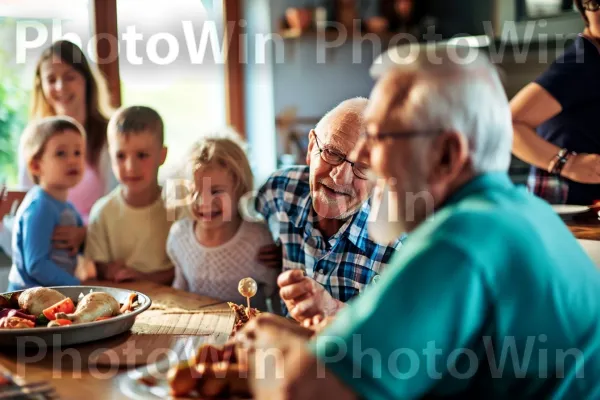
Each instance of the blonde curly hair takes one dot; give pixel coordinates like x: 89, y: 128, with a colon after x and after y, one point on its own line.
x: 225, y: 149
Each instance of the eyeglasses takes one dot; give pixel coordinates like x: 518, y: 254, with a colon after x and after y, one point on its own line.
x: 332, y: 157
x: 591, y: 5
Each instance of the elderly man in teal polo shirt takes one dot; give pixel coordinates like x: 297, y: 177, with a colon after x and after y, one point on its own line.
x: 491, y: 295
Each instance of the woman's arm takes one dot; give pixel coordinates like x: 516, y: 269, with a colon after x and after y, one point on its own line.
x: 532, y: 106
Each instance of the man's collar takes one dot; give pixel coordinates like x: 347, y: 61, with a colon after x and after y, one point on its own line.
x: 478, y: 184
x: 355, y: 229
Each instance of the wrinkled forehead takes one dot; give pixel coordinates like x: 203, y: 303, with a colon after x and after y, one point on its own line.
x: 389, y: 106
x: 340, y: 130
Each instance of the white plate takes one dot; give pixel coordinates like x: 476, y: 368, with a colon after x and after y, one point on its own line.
x: 567, y: 209
x: 131, y: 383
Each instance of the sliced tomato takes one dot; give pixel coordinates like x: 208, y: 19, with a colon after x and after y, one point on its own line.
x: 66, y: 306
x: 102, y: 318
x: 63, y: 322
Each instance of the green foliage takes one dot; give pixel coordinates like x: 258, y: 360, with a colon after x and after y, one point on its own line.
x: 13, y: 115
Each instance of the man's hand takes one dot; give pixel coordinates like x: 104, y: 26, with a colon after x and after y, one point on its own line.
x: 304, y: 297
x: 271, y: 256
x: 280, y: 364
x: 127, y: 274
x: 69, y: 237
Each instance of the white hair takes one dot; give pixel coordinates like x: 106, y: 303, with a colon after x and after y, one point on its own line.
x: 349, y: 112
x: 457, y: 88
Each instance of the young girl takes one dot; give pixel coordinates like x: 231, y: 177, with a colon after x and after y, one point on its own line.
x: 214, y: 248
x: 66, y: 84
x: 54, y: 150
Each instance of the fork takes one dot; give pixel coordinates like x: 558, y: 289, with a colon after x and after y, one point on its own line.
x: 34, y: 391
x: 30, y: 391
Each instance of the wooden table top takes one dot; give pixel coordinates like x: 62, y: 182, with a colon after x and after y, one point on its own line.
x: 176, y: 320
x: 585, y: 226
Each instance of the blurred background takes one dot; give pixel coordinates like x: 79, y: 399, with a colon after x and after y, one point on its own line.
x: 286, y: 62
x: 268, y: 68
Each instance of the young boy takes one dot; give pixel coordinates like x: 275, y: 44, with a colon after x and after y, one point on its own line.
x: 54, y: 152
x: 128, y: 228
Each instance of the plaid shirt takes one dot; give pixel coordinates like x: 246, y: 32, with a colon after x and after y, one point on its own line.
x: 552, y: 188
x: 345, y: 263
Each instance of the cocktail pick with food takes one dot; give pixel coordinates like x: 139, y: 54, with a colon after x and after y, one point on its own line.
x: 247, y: 288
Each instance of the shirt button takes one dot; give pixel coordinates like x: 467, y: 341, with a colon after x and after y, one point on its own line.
x: 376, y: 278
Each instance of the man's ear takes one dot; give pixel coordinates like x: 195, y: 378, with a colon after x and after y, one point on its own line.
x: 311, y: 145
x: 163, y: 155
x: 450, y: 154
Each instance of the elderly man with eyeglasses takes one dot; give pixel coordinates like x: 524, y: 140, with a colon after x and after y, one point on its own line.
x: 490, y: 297
x: 321, y: 212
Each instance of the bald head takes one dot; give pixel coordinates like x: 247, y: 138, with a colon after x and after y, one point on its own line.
x: 344, y: 122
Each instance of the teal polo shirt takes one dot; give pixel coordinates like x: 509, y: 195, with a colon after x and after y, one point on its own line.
x: 492, y: 297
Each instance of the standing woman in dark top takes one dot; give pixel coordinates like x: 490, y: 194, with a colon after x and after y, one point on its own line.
x: 555, y: 120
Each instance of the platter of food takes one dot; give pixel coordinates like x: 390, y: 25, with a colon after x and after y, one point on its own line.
x: 67, y: 315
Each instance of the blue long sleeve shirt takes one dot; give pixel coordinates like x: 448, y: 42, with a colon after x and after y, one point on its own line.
x: 35, y: 261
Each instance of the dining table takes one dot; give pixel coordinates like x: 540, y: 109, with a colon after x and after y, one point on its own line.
x: 585, y: 226
x: 175, y: 324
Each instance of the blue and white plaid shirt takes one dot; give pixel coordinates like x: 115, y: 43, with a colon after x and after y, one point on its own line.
x: 345, y: 263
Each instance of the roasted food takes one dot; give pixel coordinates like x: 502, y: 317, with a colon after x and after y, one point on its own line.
x: 214, y: 372
x: 45, y: 307
x: 93, y: 306
x: 16, y: 323
x: 35, y: 300
x: 243, y: 314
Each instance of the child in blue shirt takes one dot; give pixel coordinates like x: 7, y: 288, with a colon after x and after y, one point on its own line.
x: 54, y: 150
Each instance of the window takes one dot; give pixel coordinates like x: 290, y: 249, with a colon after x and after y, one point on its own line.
x: 532, y: 9
x: 171, y: 60
x: 27, y: 27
